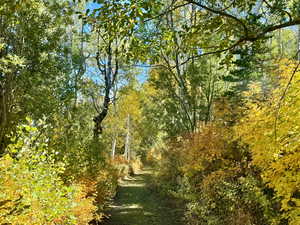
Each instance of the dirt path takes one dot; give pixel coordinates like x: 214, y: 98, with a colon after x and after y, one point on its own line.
x: 135, y: 204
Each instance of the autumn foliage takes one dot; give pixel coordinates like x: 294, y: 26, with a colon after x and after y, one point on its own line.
x: 90, y: 90
x: 35, y: 187
x: 243, y: 167
x: 214, y: 178
x: 271, y: 129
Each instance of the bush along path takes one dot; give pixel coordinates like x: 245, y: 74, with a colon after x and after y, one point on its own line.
x: 136, y: 204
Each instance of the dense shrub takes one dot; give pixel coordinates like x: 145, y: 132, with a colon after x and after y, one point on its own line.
x: 31, y: 190
x: 34, y: 189
x: 97, y: 189
x: 271, y: 129
x: 242, y: 168
x: 211, y: 171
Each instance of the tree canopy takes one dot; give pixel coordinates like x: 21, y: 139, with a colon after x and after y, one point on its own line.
x: 205, y: 92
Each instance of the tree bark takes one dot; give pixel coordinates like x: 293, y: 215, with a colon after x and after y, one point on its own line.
x: 113, y: 149
x: 298, y: 49
x: 127, y: 140
x: 109, y: 78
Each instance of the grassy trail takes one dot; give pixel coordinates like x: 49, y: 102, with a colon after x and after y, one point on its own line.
x: 135, y: 204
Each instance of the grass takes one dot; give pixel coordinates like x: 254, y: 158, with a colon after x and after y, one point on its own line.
x: 135, y: 204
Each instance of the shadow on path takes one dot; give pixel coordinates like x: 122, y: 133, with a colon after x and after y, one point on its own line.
x: 135, y: 204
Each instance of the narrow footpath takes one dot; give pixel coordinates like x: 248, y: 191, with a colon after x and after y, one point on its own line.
x: 135, y: 204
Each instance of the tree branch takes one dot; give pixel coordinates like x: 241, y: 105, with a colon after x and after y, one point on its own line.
x: 168, y: 10
x: 269, y: 29
x: 222, y: 13
x: 100, y: 67
x: 213, y: 52
x: 281, y: 10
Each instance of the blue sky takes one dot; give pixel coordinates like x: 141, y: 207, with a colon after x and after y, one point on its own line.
x: 92, y: 5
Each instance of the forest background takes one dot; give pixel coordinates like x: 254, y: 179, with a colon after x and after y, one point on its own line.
x: 205, y: 91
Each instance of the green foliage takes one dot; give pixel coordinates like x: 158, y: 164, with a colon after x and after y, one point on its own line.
x: 189, y: 96
x: 36, y: 188
x: 227, y: 165
x: 32, y: 191
x: 32, y: 63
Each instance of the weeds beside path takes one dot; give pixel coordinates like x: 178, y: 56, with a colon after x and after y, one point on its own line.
x: 135, y: 204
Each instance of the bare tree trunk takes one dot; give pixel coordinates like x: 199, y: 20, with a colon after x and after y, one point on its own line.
x: 109, y: 78
x: 113, y: 148
x: 115, y: 129
x: 127, y: 140
x: 208, y: 94
x: 183, y: 94
x: 298, y: 47
x: 82, y: 66
x: 6, y: 108
x: 101, y: 116
x: 3, y: 117
x: 280, y: 50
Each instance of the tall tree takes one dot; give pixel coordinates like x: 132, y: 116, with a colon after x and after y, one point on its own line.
x: 31, y: 63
